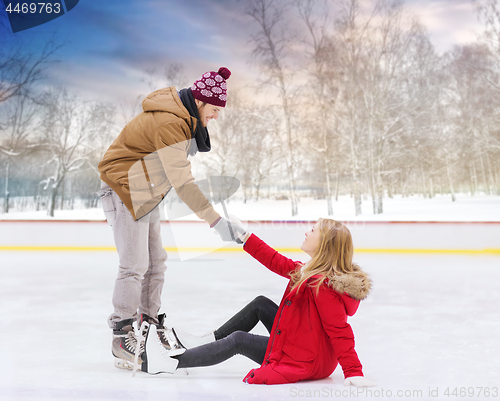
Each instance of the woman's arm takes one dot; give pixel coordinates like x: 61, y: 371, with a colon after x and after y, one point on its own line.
x: 269, y: 257
x: 333, y: 316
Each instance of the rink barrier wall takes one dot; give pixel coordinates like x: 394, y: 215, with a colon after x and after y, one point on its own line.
x: 195, y: 236
x: 281, y: 250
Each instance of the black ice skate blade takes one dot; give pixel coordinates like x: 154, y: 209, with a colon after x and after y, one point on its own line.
x: 144, y: 365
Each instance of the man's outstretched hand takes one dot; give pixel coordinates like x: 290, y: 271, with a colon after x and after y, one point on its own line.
x: 229, y: 230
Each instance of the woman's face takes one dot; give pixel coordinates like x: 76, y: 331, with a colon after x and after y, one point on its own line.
x: 312, y: 241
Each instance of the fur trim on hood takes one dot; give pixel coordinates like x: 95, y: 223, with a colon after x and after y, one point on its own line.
x: 357, y: 284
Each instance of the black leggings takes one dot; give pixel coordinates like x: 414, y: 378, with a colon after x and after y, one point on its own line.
x: 233, y: 338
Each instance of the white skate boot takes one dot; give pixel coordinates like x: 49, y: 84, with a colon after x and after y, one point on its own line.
x: 156, y: 358
x: 188, y: 341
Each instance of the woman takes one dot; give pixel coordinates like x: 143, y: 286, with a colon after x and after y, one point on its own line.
x: 309, y: 333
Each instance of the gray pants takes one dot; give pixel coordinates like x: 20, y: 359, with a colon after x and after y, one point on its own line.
x: 141, y: 270
x: 233, y: 337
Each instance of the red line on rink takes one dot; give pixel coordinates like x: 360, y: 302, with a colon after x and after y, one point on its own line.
x: 265, y: 221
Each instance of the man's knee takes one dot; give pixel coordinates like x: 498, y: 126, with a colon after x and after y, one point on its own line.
x: 157, y: 267
x: 135, y: 272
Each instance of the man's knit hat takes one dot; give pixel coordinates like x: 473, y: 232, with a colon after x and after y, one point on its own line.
x: 212, y: 88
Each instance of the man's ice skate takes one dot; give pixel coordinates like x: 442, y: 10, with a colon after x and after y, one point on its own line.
x: 156, y: 358
x: 123, y: 364
x: 125, y: 344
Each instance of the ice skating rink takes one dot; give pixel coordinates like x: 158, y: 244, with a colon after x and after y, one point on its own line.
x: 430, y: 326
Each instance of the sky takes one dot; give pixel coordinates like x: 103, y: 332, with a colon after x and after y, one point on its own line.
x: 108, y: 45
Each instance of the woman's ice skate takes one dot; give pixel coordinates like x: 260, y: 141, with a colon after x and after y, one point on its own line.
x: 156, y: 359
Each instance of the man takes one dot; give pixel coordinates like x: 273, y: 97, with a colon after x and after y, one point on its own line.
x: 147, y: 159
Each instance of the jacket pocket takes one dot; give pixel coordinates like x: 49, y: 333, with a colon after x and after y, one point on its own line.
x: 108, y: 205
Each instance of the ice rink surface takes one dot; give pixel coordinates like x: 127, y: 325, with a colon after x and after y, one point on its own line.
x: 431, y: 323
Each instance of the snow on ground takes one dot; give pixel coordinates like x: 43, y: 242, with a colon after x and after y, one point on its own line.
x: 431, y: 324
x: 415, y: 208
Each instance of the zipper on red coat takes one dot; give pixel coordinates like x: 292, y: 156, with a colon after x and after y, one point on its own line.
x: 274, y: 334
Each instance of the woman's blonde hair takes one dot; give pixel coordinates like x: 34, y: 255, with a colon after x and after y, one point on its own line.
x: 332, y: 258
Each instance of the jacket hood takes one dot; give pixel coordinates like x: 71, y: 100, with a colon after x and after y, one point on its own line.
x: 353, y: 287
x: 166, y: 100
x: 357, y: 284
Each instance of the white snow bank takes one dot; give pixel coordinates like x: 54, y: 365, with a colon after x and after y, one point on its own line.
x: 415, y: 208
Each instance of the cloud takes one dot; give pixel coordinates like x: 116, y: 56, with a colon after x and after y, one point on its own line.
x: 110, y: 44
x: 450, y: 22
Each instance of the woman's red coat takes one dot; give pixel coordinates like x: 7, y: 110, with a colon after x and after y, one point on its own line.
x: 310, y: 333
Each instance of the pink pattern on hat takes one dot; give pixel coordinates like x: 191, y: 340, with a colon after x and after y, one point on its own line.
x: 212, y: 87
x: 206, y: 93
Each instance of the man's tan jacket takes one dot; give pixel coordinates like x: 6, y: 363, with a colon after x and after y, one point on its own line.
x: 149, y: 157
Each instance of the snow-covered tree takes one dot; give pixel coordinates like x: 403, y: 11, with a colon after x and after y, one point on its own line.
x: 71, y: 128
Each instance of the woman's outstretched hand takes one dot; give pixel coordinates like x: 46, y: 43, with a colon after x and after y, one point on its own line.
x: 358, y: 381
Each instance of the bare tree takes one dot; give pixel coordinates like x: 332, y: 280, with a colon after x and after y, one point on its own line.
x: 388, y: 93
x: 71, y: 127
x: 258, y: 154
x: 224, y: 135
x: 172, y: 75
x: 476, y: 104
x: 128, y: 109
x: 22, y: 65
x: 271, y: 43
x: 244, y: 145
x: 17, y: 133
x: 351, y: 34
x: 322, y: 55
x: 22, y: 68
x: 489, y: 12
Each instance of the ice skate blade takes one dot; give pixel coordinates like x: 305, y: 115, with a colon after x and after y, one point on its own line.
x: 123, y: 364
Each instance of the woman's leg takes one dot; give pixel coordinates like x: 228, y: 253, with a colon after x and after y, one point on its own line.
x: 260, y: 309
x: 239, y: 342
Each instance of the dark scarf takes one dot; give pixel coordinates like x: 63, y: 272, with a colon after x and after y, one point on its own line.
x: 201, y: 132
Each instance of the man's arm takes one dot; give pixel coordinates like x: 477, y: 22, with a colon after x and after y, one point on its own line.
x: 172, y: 148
